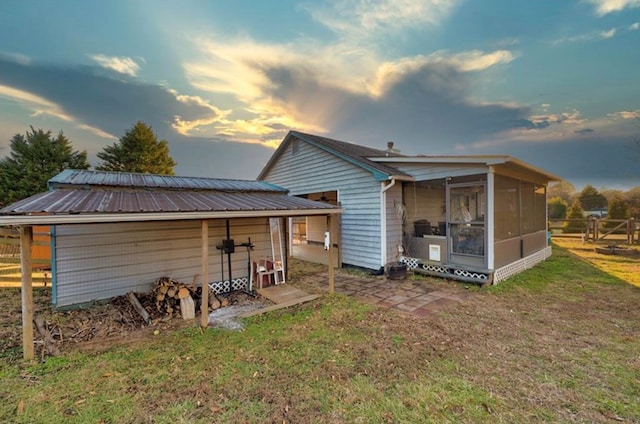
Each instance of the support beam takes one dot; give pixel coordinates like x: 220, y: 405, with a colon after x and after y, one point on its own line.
x: 26, y: 241
x: 204, y: 322
x: 332, y: 280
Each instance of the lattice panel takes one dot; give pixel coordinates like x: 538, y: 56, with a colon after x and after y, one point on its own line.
x: 435, y: 268
x: 519, y: 266
x: 412, y: 263
x: 226, y: 286
x: 470, y: 274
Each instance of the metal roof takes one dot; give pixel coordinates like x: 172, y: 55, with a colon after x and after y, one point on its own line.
x: 353, y: 153
x: 95, y: 201
x: 82, y: 178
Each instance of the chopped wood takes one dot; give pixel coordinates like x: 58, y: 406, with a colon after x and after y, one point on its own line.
x: 138, y: 307
x: 214, y: 302
x: 187, y: 307
x: 183, y: 292
x: 49, y: 342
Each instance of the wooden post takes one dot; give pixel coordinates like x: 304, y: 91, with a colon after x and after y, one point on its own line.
x: 332, y: 280
x: 26, y: 241
x: 204, y: 322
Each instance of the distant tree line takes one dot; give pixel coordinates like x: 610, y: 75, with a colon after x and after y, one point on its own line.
x: 38, y: 155
x: 565, y: 203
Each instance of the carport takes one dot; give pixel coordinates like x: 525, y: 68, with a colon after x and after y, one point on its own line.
x: 90, y: 200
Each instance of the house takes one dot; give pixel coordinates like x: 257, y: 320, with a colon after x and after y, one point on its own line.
x: 472, y: 218
x: 115, y: 232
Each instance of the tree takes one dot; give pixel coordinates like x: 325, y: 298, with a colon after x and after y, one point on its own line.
x: 618, y: 209
x: 577, y: 222
x: 35, y: 158
x: 563, y: 189
x: 557, y: 208
x: 633, y: 200
x: 591, y: 199
x: 138, y: 151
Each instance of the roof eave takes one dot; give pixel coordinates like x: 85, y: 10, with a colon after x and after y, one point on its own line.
x: 27, y: 220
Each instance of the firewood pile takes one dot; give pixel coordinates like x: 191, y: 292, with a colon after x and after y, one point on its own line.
x: 169, y: 295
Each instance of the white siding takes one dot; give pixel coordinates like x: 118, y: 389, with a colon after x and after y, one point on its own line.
x: 99, y: 261
x: 311, y: 170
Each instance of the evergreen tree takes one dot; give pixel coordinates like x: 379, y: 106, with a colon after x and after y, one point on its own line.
x: 138, y: 151
x: 577, y: 222
x: 591, y: 199
x: 557, y: 208
x: 618, y: 209
x: 35, y: 158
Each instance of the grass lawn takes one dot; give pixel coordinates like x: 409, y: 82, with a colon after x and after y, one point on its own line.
x: 557, y: 343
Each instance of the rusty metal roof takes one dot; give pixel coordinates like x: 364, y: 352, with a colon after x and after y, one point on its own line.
x: 97, y: 201
x: 84, y: 178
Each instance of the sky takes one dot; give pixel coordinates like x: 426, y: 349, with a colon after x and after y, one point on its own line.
x: 553, y: 83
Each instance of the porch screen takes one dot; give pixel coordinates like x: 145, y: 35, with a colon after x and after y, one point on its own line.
x: 507, y: 208
x: 520, y: 208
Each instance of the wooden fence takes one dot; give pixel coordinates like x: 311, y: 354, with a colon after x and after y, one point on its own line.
x: 597, y: 229
x: 10, y: 272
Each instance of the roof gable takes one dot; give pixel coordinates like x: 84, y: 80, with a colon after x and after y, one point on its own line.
x: 352, y: 153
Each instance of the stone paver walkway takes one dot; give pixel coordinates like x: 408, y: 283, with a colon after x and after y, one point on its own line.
x: 417, y: 298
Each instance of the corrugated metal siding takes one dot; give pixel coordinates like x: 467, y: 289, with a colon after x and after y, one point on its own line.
x: 312, y: 170
x: 99, y: 261
x: 76, y: 177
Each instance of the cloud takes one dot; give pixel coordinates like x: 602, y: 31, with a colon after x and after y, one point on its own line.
x: 284, y: 86
x: 584, y: 131
x: 122, y: 65
x: 88, y: 98
x: 604, y: 7
x: 596, y: 35
x: 634, y: 26
x: 38, y: 105
x: 373, y: 16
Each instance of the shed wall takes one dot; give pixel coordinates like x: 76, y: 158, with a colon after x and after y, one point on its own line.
x: 99, y: 261
x: 303, y: 169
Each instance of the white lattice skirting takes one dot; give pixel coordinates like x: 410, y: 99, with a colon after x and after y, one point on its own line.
x: 520, y: 265
x: 227, y: 286
x: 448, y: 271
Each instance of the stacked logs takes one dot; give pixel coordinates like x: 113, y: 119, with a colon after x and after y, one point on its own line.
x: 168, y: 294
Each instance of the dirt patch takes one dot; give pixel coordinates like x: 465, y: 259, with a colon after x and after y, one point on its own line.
x: 105, y: 324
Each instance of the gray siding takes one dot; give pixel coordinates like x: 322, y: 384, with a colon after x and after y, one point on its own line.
x: 425, y: 172
x: 99, y: 261
x: 311, y: 170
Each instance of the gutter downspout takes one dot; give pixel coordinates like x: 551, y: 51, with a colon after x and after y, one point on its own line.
x: 383, y: 220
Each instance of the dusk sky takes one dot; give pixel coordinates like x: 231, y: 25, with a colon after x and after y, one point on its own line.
x: 553, y: 83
